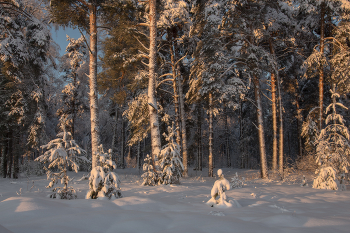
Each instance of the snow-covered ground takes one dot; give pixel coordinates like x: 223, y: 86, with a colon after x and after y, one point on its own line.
x: 260, y: 206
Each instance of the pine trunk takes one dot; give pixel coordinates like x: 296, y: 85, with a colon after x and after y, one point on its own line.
x: 263, y: 162
x: 227, y: 139
x: 154, y: 122
x: 115, y: 132
x: 176, y: 97
x: 281, y: 129
x: 210, y: 164
x: 122, y: 151
x: 183, y: 128
x: 3, y: 161
x: 321, y: 78
x: 95, y: 129
x: 199, y: 137
x: 274, y: 113
x: 299, y: 124
x: 10, y: 154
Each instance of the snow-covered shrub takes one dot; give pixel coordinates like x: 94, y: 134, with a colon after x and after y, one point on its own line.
x: 62, y: 153
x: 325, y: 179
x: 332, y: 148
x: 342, y: 186
x: 103, y: 182
x: 169, y: 160
x: 236, y: 182
x: 304, y: 183
x: 149, y: 177
x: 218, y: 190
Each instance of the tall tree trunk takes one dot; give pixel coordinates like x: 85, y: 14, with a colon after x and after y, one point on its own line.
x: 154, y: 122
x: 3, y: 161
x: 227, y: 139
x: 199, y: 137
x: 274, y: 113
x: 138, y: 156
x: 75, y: 94
x: 122, y: 151
x: 281, y: 129
x: 259, y: 113
x: 15, y: 159
x: 115, y: 132
x: 183, y: 127
x: 176, y: 96
x: 321, y: 78
x: 10, y: 154
x: 95, y: 128
x: 210, y: 164
x: 299, y: 124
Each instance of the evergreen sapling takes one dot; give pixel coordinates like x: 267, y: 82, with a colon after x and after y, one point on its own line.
x: 62, y: 153
x: 103, y: 182
x: 149, y: 176
x: 169, y: 160
x: 332, y: 147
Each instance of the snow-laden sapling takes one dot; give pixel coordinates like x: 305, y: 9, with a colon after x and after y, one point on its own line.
x: 62, y: 153
x: 304, y: 183
x: 332, y: 147
x: 218, y: 190
x: 149, y: 177
x: 169, y: 160
x: 103, y: 182
x: 236, y: 182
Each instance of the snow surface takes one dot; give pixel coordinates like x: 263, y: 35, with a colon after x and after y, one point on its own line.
x: 259, y: 206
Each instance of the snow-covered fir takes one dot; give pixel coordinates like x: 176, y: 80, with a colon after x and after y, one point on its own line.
x: 62, y: 153
x: 103, y: 182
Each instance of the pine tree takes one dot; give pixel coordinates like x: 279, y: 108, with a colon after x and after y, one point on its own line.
x: 62, y: 153
x: 149, y: 176
x: 333, y: 148
x: 169, y: 160
x: 103, y: 182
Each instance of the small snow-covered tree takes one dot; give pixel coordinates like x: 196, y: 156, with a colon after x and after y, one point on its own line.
x: 149, y: 177
x: 103, y: 182
x: 169, y: 160
x: 236, y: 182
x: 218, y: 190
x: 332, y: 147
x: 62, y: 153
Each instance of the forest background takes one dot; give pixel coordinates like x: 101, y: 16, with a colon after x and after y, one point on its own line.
x: 244, y: 82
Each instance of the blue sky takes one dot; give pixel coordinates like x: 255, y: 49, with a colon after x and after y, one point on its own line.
x: 60, y: 37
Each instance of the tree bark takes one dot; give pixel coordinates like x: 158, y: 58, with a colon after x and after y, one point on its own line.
x: 183, y: 127
x: 274, y: 113
x: 122, y: 151
x: 115, y: 132
x: 199, y: 137
x: 95, y: 129
x: 210, y: 164
x: 263, y: 162
x: 3, y: 161
x: 227, y: 138
x: 321, y: 78
x: 281, y: 129
x: 154, y: 122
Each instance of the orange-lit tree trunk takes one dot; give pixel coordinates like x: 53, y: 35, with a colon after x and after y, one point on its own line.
x: 95, y: 128
x: 153, y: 114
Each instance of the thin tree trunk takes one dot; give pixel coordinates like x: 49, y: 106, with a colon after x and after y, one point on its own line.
x: 183, y: 127
x: 138, y: 155
x: 227, y: 139
x: 321, y: 78
x: 299, y: 124
x: 10, y: 155
x: 73, y: 103
x: 3, y: 161
x: 263, y: 162
x: 210, y: 165
x: 95, y: 129
x: 115, y: 132
x: 281, y: 129
x: 199, y: 137
x: 122, y: 152
x: 15, y: 159
x: 274, y: 113
x: 176, y: 97
x: 154, y: 122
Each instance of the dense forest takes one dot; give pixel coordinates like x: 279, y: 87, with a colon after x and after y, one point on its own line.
x: 254, y: 84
